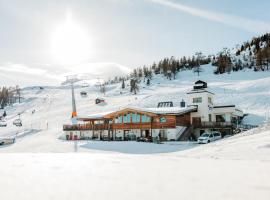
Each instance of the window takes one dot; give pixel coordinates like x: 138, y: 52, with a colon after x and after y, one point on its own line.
x: 197, y: 100
x: 162, y: 119
x: 220, y: 118
x: 146, y: 118
x: 210, y: 100
x: 119, y: 120
x: 127, y: 118
x: 136, y: 118
x: 99, y: 122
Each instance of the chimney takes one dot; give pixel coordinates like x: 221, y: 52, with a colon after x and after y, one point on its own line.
x: 182, y: 104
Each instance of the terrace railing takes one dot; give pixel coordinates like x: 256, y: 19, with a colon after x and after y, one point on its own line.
x: 213, y: 125
x: 144, y: 125
x: 85, y: 127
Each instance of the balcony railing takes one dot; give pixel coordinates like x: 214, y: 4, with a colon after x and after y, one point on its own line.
x: 213, y: 124
x: 85, y: 127
x: 144, y: 125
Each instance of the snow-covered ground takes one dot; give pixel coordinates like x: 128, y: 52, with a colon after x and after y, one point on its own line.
x: 233, y: 168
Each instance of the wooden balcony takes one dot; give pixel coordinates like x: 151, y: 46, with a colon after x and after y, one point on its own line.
x: 122, y: 126
x: 213, y: 125
x: 85, y: 127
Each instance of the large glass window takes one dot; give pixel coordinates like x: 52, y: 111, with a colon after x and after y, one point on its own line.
x: 127, y: 118
x: 136, y: 118
x: 119, y: 120
x: 197, y: 100
x: 145, y: 118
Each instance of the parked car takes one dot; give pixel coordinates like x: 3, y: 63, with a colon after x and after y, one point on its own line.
x: 144, y: 139
x: 209, y: 137
x: 17, y: 122
x: 3, y: 123
x: 217, y: 135
x: 4, y: 141
x: 238, y: 130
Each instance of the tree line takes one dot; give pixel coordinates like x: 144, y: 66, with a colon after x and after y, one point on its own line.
x: 9, y: 96
x: 254, y: 54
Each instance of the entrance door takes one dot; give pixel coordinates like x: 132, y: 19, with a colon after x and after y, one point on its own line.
x: 126, y: 132
x: 71, y: 136
x: 147, y: 133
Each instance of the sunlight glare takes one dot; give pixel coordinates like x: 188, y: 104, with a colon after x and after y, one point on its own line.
x: 69, y: 43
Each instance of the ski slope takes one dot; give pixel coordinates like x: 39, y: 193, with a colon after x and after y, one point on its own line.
x: 44, y: 111
x: 233, y: 168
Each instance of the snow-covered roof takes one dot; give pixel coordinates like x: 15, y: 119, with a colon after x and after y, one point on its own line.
x: 157, y: 111
x: 95, y: 115
x: 167, y: 110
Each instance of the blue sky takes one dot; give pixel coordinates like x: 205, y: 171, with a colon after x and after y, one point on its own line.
x: 129, y: 33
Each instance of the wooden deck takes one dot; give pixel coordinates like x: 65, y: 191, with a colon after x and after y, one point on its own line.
x: 122, y: 126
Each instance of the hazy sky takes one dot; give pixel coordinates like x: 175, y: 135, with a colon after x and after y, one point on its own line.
x: 120, y: 33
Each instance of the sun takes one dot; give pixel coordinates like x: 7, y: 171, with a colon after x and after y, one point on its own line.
x: 70, y: 43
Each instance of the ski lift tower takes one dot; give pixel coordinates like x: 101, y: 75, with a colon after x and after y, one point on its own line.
x: 71, y: 80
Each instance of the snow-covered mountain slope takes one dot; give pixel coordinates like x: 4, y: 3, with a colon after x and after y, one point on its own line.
x: 233, y: 168
x: 251, y: 145
x: 24, y: 75
x: 44, y: 111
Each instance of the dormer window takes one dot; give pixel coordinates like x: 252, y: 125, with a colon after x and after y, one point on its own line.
x: 197, y: 100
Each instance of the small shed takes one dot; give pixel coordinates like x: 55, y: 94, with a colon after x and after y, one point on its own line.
x: 83, y: 94
x: 99, y: 100
x: 200, y: 85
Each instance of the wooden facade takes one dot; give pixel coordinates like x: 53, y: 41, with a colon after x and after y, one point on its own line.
x: 109, y: 122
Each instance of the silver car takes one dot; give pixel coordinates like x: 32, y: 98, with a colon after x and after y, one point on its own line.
x: 208, y: 137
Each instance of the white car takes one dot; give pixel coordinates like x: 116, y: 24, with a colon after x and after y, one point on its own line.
x: 3, y: 123
x: 209, y: 137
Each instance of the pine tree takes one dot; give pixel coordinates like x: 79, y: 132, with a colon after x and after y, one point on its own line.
x: 123, y: 84
x: 103, y: 89
x: 259, y: 60
x: 148, y: 82
x: 134, y: 88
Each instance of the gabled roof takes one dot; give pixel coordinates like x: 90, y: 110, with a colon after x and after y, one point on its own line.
x: 170, y: 110
x: 200, y: 81
x: 148, y: 111
x: 95, y: 116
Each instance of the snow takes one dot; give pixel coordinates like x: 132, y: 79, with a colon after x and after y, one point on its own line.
x: 226, y: 169
x: 138, y: 147
x: 96, y: 115
x: 167, y: 110
x: 247, y: 90
x: 42, y: 166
